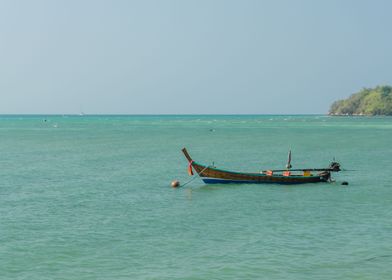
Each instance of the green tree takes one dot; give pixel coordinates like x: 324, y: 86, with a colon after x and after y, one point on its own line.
x: 368, y: 101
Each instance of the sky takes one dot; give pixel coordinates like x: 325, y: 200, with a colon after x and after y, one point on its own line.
x: 190, y: 57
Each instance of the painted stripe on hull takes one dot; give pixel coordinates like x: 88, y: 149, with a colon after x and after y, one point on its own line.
x: 227, y: 181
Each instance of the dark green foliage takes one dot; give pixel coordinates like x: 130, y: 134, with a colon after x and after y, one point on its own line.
x: 376, y: 101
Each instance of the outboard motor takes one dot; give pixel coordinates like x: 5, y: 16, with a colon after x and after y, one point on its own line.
x: 334, y: 166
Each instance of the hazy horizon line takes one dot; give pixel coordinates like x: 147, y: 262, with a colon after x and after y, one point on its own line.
x: 163, y: 114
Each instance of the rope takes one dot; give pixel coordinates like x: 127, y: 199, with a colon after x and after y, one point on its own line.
x: 194, y: 177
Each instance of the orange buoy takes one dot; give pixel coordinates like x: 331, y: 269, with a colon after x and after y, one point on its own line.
x: 175, y: 184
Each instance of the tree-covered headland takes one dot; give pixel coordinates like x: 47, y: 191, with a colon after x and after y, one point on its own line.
x: 368, y: 101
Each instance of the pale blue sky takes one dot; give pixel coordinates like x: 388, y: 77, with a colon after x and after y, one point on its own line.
x: 186, y: 57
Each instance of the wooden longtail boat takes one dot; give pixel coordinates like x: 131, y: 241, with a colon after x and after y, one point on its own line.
x: 212, y: 175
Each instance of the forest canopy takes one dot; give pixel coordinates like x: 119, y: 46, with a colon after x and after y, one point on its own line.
x: 368, y: 101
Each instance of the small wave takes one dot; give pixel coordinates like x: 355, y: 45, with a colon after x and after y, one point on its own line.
x: 377, y: 257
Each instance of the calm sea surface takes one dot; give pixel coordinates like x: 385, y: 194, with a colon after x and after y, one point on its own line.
x: 88, y: 197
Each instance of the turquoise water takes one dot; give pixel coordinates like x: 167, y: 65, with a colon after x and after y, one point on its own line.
x: 89, y: 198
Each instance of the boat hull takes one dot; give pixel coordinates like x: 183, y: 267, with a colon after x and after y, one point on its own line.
x: 211, y: 175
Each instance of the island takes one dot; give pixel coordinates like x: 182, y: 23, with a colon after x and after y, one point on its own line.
x: 368, y: 102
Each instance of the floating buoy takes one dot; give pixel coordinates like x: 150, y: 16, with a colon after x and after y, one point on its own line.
x: 175, y: 184
x: 345, y: 183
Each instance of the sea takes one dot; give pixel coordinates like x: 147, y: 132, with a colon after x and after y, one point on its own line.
x: 89, y: 197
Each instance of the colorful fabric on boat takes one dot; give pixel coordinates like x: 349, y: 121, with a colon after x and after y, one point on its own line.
x: 190, y: 171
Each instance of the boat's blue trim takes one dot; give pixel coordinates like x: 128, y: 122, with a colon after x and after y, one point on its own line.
x: 223, y: 181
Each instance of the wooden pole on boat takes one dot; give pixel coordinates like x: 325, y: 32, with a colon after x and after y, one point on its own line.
x: 188, y: 157
x: 288, y: 165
